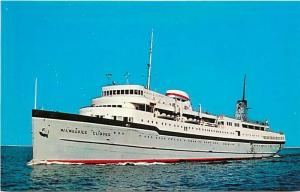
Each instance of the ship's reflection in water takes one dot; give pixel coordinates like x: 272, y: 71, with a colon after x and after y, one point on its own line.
x: 281, y: 173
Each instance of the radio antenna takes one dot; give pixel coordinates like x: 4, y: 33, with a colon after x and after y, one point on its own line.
x: 150, y: 61
x: 108, y: 76
x: 35, y: 93
x: 127, y: 75
x: 244, y: 88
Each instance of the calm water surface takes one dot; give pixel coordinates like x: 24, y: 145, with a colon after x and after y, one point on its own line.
x: 281, y: 173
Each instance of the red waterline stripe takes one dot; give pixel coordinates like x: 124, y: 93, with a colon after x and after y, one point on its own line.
x: 98, y: 161
x: 179, y: 95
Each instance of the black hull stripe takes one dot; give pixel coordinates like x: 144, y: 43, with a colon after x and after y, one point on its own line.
x: 88, y: 119
x: 157, y: 148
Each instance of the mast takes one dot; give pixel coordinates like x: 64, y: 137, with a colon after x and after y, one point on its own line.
x: 150, y: 61
x: 200, y: 112
x: 35, y: 93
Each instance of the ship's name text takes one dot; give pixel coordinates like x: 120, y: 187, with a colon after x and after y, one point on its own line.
x: 77, y: 131
x: 100, y: 133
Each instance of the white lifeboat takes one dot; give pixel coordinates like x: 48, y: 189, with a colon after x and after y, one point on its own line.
x: 177, y: 94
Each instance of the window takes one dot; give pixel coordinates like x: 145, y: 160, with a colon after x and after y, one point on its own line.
x: 131, y: 92
x: 110, y: 92
x: 118, y: 92
x: 122, y: 92
x: 114, y: 92
x: 136, y: 92
x: 126, y: 92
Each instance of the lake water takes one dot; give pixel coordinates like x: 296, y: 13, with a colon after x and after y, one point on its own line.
x: 280, y: 173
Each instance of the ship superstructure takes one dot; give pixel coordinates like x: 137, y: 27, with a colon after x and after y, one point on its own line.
x: 132, y: 123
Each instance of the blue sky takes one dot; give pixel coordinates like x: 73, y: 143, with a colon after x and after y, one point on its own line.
x: 203, y: 48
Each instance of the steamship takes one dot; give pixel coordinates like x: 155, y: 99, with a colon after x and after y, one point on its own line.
x: 131, y: 123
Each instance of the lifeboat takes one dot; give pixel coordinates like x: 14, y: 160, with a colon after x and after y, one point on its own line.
x: 177, y: 94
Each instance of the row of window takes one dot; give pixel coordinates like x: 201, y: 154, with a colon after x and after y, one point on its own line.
x: 244, y: 125
x: 250, y: 135
x: 122, y: 92
x: 260, y: 145
x: 200, y: 141
x: 186, y: 140
x: 119, y: 133
x: 228, y: 123
x: 273, y: 137
x: 253, y: 127
x: 186, y: 127
x: 120, y: 106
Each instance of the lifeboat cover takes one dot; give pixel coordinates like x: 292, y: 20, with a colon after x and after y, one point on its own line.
x: 178, y: 94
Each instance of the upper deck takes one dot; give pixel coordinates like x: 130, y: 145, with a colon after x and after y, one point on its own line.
x: 166, y: 106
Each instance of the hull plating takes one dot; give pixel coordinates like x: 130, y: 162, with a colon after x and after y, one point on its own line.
x: 82, y: 142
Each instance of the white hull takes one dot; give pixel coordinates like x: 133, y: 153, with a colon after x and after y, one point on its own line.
x: 83, y: 142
